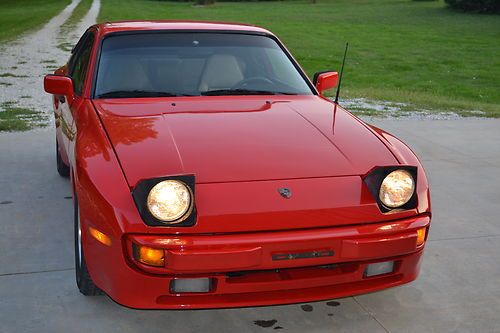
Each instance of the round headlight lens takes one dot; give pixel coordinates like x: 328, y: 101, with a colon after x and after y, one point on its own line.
x: 169, y: 200
x: 397, y: 188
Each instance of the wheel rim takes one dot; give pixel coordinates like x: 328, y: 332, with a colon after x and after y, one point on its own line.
x: 79, y: 236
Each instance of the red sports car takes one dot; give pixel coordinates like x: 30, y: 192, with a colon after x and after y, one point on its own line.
x: 208, y: 171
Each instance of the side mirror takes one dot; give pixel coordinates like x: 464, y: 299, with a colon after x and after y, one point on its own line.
x: 59, y: 85
x: 325, y: 80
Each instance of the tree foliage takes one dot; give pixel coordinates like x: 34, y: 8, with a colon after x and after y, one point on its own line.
x: 478, y: 6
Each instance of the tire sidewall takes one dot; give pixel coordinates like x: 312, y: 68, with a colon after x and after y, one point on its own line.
x: 62, y: 168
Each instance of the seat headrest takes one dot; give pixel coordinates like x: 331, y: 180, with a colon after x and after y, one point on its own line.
x: 124, y: 73
x: 222, y: 71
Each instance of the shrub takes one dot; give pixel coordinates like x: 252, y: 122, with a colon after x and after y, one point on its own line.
x: 478, y: 6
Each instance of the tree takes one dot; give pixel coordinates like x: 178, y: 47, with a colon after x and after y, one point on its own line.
x: 478, y: 6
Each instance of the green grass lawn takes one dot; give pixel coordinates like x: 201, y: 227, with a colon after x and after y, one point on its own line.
x: 400, y: 50
x: 18, y: 16
x: 13, y: 118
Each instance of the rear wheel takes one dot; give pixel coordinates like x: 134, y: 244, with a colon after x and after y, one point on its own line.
x: 83, y: 279
x: 62, y: 168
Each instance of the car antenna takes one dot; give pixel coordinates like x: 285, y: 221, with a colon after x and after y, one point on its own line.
x: 338, y: 88
x: 341, y: 73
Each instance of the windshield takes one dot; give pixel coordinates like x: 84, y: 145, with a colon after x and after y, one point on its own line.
x: 194, y: 64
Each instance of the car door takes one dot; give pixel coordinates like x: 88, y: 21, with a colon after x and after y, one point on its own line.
x: 77, y: 70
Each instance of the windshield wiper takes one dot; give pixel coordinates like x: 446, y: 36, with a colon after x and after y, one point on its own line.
x: 136, y: 93
x: 222, y: 92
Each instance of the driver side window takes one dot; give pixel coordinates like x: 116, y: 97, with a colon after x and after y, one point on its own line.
x: 79, y: 63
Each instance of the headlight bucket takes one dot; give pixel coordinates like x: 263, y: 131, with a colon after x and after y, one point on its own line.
x: 142, y: 191
x: 375, y: 177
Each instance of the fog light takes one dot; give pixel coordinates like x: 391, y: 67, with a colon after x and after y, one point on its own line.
x: 198, y: 285
x: 149, y: 256
x: 421, y: 236
x: 379, y: 268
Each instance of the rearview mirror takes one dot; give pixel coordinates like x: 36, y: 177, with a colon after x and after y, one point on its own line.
x: 59, y: 85
x: 325, y: 80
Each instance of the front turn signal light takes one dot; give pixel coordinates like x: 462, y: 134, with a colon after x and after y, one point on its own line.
x: 100, y: 236
x: 421, y: 236
x: 149, y: 256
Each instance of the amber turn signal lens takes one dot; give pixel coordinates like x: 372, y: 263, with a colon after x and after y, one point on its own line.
x: 420, y: 236
x: 99, y: 236
x: 149, y: 256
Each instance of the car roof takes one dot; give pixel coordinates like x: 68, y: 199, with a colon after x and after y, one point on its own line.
x: 110, y: 27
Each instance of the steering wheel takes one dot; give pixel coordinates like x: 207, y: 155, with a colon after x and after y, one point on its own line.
x: 251, y: 81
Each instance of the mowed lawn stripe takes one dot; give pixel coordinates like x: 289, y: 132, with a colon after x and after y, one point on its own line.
x: 77, y: 15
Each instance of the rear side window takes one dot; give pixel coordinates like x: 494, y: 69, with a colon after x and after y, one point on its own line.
x: 80, y: 62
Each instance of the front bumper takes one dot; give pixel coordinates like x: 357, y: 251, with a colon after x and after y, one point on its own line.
x: 264, y: 268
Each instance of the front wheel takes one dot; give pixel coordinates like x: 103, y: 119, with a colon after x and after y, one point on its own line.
x: 83, y: 279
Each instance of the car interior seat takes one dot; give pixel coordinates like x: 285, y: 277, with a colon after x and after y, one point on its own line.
x: 222, y: 71
x: 123, y: 73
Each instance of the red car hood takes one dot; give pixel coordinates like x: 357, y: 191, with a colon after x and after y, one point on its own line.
x: 229, y: 139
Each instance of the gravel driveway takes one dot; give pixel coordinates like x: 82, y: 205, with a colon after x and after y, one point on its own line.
x: 25, y: 61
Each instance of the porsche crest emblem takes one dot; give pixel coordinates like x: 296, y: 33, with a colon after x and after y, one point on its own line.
x: 285, y: 192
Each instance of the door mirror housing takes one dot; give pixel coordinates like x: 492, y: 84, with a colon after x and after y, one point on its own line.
x: 59, y: 85
x: 325, y: 80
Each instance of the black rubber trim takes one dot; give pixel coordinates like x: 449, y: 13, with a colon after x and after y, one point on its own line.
x: 317, y: 74
x: 140, y: 194
x: 374, y: 179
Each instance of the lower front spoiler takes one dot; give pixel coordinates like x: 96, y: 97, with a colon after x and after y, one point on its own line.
x: 261, y: 288
x: 267, y: 281
x: 333, y: 282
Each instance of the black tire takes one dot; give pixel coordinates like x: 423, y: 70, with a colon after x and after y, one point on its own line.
x: 83, y: 279
x: 62, y: 168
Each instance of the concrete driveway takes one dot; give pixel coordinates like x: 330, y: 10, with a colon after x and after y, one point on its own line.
x: 458, y: 289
